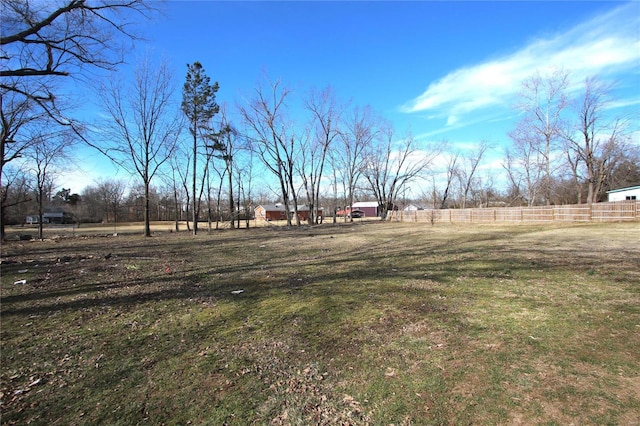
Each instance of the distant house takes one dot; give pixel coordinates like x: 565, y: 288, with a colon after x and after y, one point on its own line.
x: 57, y: 218
x: 361, y: 209
x: 277, y: 211
x: 303, y: 212
x: 270, y: 212
x: 369, y: 208
x: 622, y: 194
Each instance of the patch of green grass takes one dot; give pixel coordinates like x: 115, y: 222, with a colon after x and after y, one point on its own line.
x: 366, y: 324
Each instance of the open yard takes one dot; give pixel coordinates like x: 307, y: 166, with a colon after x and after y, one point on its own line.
x: 371, y: 323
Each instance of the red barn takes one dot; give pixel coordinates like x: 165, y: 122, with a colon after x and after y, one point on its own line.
x: 270, y: 212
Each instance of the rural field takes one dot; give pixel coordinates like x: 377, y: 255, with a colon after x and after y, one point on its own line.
x: 365, y: 324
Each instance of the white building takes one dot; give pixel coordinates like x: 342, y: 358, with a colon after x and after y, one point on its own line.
x: 630, y: 193
x: 369, y: 208
x: 411, y: 208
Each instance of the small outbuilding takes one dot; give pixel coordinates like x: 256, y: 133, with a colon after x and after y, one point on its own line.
x: 624, y: 194
x: 369, y: 208
x: 277, y: 211
x: 303, y: 212
x: 270, y: 212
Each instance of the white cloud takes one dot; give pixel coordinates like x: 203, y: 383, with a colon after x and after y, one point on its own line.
x: 606, y: 45
x: 623, y: 103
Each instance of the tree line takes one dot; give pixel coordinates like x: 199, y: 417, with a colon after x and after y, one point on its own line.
x: 192, y: 160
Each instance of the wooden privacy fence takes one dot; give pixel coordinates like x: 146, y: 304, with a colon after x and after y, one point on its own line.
x: 598, y: 212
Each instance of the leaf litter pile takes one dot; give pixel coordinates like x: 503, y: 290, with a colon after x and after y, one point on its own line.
x: 373, y: 323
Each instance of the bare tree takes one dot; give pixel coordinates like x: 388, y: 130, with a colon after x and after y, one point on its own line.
x: 226, y: 148
x: 106, y: 198
x: 273, y: 139
x: 451, y: 168
x: 485, y: 190
x: 112, y: 193
x: 573, y: 162
x: 244, y: 179
x: 596, y: 142
x: 324, y: 129
x: 626, y: 172
x: 44, y: 41
x: 521, y: 163
x: 14, y: 194
x: 356, y: 137
x: 45, y: 157
x: 221, y: 172
x: 143, y: 126
x: 180, y: 164
x: 392, y: 165
x: 542, y: 100
x: 19, y: 121
x: 236, y: 154
x: 177, y: 198
x: 466, y: 171
x: 16, y: 114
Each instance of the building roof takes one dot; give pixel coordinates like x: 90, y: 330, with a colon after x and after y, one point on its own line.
x: 629, y: 188
x: 280, y: 208
x: 365, y: 204
x: 272, y: 207
x: 50, y: 214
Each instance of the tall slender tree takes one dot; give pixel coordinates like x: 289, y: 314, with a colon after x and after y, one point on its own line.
x: 542, y: 100
x: 466, y: 172
x: 199, y: 106
x: 48, y: 153
x: 273, y: 138
x: 226, y: 146
x: 451, y: 167
x: 356, y: 139
x: 143, y: 125
x: 324, y: 129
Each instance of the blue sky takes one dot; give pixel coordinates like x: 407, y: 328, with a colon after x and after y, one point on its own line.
x: 445, y: 70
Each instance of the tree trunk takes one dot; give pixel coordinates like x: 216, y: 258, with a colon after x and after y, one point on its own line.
x: 147, y: 223
x: 231, y: 203
x: 177, y: 209
x: 3, y: 221
x: 40, y: 215
x: 195, y: 197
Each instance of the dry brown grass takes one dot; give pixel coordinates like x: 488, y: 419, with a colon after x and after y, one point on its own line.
x: 372, y: 323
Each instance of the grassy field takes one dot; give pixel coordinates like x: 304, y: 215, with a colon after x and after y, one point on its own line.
x: 372, y: 323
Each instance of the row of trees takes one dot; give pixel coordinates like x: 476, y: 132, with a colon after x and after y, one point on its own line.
x: 115, y: 201
x: 560, y: 139
x: 42, y: 46
x: 313, y: 150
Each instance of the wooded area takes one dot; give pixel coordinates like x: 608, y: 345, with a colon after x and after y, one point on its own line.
x: 195, y: 160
